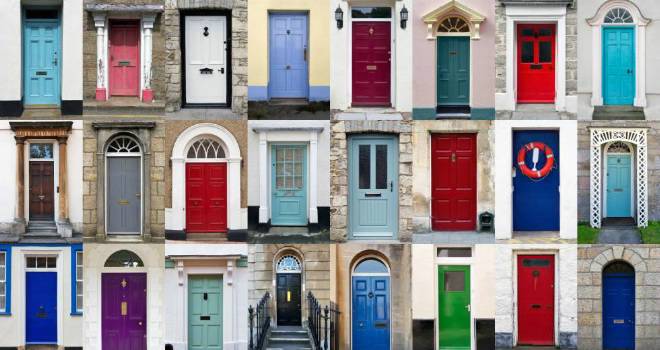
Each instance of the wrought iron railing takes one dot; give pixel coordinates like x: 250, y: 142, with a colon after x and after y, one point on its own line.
x: 322, y: 323
x: 259, y: 319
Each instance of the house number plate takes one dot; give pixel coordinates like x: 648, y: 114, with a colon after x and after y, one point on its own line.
x: 371, y: 67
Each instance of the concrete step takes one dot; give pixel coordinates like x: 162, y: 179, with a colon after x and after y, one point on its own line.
x: 38, y: 228
x: 618, y: 113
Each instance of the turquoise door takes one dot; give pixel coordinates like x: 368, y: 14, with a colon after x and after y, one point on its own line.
x: 618, y: 185
x: 453, y: 71
x: 205, y: 312
x: 41, y: 58
x: 289, y: 182
x: 618, y: 65
x: 373, y: 186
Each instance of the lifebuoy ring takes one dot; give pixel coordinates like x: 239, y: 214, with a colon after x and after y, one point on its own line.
x: 549, y: 160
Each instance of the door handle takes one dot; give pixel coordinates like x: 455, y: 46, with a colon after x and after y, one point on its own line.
x: 453, y: 157
x: 55, y: 58
x: 305, y: 54
x: 206, y: 70
x: 391, y: 185
x: 468, y: 307
x: 222, y: 70
x: 288, y: 66
x: 629, y: 71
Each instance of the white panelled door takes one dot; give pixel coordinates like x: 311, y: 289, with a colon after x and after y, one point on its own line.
x: 206, y: 59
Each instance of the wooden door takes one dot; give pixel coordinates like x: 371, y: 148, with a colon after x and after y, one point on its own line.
x: 454, y: 306
x: 619, y: 306
x: 619, y: 185
x: 289, y: 185
x: 206, y: 197
x: 207, y: 69
x: 124, y: 195
x: 371, y: 63
x: 536, y: 63
x: 618, y: 65
x: 371, y: 312
x: 124, y: 58
x: 205, y: 319
x: 42, y: 57
x: 124, y: 311
x: 289, y: 299
x: 42, y: 191
x: 536, y: 299
x: 453, y: 71
x: 41, y: 307
x: 288, y: 56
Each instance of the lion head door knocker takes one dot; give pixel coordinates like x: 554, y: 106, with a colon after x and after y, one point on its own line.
x: 206, y: 31
x: 371, y: 30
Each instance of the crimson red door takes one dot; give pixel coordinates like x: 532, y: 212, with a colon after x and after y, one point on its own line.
x: 124, y: 57
x: 454, y: 181
x: 536, y: 299
x: 536, y: 63
x: 206, y: 197
x: 371, y: 63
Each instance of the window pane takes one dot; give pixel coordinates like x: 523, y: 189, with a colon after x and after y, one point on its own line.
x: 52, y: 262
x: 454, y: 252
x: 2, y: 288
x: 528, y: 32
x: 79, y: 302
x: 364, y: 166
x: 3, y: 305
x: 41, y: 262
x: 381, y: 166
x: 371, y: 266
x: 454, y: 281
x: 3, y: 274
x: 41, y: 151
x: 527, y: 52
x: 545, y: 52
x: 2, y: 259
x: 536, y: 262
x: 31, y: 262
x: 79, y: 287
x: 371, y: 12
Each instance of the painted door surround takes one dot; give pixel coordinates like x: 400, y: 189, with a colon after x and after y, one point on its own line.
x: 535, y: 288
x: 619, y: 316
x: 124, y: 311
x: 370, y: 305
x: 618, y: 65
x: 288, y: 52
x: 454, y: 307
x: 41, y: 306
x: 453, y: 73
x: 42, y: 57
x: 619, y: 185
x: 289, y: 185
x: 124, y: 61
x: 371, y: 56
x: 205, y: 312
x: 536, y: 63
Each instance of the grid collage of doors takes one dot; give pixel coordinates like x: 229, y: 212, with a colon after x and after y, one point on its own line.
x: 329, y: 174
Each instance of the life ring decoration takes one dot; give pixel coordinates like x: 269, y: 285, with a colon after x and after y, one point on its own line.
x: 537, y: 148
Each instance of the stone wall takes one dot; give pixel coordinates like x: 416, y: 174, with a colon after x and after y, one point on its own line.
x: 646, y: 262
x: 239, y: 65
x: 340, y: 130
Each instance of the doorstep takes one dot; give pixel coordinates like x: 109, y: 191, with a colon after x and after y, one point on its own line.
x: 123, y: 106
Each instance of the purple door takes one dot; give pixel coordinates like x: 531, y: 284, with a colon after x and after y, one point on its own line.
x: 124, y: 311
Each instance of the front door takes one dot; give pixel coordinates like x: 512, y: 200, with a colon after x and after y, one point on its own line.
x: 289, y: 183
x: 536, y: 299
x: 371, y: 63
x: 289, y: 295
x: 124, y: 195
x: 205, y: 312
x: 206, y: 48
x: 619, y: 310
x: 41, y: 307
x: 42, y: 190
x: 124, y: 311
x: 206, y: 197
x: 373, y: 186
x: 536, y: 63
x: 454, y: 307
x: 41, y: 58
x: 535, y: 200
x: 288, y: 56
x: 453, y: 80
x: 371, y: 312
x: 454, y: 181
x: 124, y: 58
x: 618, y: 185
x: 618, y: 65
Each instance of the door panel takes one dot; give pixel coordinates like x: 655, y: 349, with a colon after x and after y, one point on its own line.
x: 124, y: 58
x: 373, y: 186
x: 371, y: 63
x: 41, y: 307
x: 536, y: 201
x: 619, y: 311
x: 536, y: 63
x: 453, y: 80
x: 618, y: 185
x: 41, y: 62
x: 124, y: 195
x: 618, y: 66
x: 288, y: 56
x: 206, y: 59
x: 371, y: 312
x: 206, y: 197
x: 205, y: 312
x: 454, y: 307
x: 124, y: 311
x: 42, y: 191
x: 454, y: 181
x: 289, y: 299
x: 289, y: 181
x: 536, y: 299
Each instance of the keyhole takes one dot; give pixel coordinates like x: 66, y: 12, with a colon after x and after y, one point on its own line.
x: 288, y: 31
x: 206, y: 296
x: 206, y: 31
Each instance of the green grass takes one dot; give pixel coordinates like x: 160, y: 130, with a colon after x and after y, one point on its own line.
x: 587, y: 234
x: 651, y: 233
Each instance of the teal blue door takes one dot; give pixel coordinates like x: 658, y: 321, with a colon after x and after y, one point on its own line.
x: 289, y: 185
x: 205, y: 312
x: 618, y: 65
x: 41, y: 57
x: 453, y: 71
x: 618, y: 185
x: 373, y: 186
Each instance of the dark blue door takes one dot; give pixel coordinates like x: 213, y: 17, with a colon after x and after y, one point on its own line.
x: 288, y: 56
x: 536, y: 201
x: 41, y: 308
x: 619, y: 311
x: 371, y: 312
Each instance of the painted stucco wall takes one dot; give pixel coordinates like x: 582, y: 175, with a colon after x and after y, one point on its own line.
x: 319, y: 13
x: 72, y: 50
x: 10, y: 17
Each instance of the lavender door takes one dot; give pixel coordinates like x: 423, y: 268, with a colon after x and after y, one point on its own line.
x: 124, y: 311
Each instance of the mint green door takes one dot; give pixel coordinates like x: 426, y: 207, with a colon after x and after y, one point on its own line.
x: 205, y: 312
x: 454, y: 307
x: 289, y: 185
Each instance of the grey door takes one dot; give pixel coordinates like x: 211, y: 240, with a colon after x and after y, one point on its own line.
x: 124, y: 195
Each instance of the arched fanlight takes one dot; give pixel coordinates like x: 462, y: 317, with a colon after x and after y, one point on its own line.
x: 124, y: 258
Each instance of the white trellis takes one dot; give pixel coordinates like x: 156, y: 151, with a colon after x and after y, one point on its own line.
x: 601, y: 136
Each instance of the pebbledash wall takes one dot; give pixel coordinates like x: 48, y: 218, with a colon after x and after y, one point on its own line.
x: 645, y: 260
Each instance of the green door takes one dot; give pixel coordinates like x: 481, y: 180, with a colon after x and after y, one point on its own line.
x: 205, y: 312
x: 454, y: 307
x: 453, y: 71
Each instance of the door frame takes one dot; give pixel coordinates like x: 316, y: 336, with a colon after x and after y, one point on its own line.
x: 603, y: 81
x: 203, y: 273
x: 106, y: 155
x: 446, y: 261
x: 182, y: 35
x: 438, y: 36
x: 24, y: 22
x: 56, y: 175
x: 290, y: 12
x: 354, y: 264
x: 271, y: 174
x: 634, y: 307
x: 99, y: 296
x: 514, y: 279
x: 633, y: 188
x: 301, y: 259
x: 140, y: 54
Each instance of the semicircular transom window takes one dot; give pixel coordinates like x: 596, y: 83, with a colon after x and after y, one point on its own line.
x: 618, y: 15
x: 206, y: 148
x: 453, y: 25
x: 123, y: 144
x: 618, y: 147
x: 371, y: 265
x: 618, y: 267
x: 289, y: 264
x: 124, y: 258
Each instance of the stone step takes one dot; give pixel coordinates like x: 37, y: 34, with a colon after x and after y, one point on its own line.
x: 41, y: 347
x: 618, y: 113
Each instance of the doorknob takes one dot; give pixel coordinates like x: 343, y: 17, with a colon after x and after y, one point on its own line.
x: 629, y: 71
x: 288, y: 66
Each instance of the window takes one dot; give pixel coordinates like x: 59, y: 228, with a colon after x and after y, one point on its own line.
x: 381, y: 166
x: 124, y: 258
x: 454, y: 252
x: 41, y: 262
x: 618, y: 16
x: 454, y: 281
x: 364, y: 168
x: 536, y: 262
x: 618, y: 147
x: 289, y: 264
x: 77, y: 280
x: 371, y: 265
x: 3, y: 282
x: 42, y: 151
x: 453, y: 25
x: 618, y: 267
x: 527, y: 52
x: 545, y: 52
x: 206, y: 148
x: 371, y: 12
x: 289, y: 170
x: 123, y: 144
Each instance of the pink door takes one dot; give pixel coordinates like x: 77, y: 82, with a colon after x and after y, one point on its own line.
x: 124, y: 57
x: 371, y: 63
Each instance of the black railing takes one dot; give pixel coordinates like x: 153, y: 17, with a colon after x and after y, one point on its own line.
x: 259, y: 319
x: 322, y: 323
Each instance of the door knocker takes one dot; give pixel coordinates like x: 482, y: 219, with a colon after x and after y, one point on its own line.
x: 371, y: 295
x: 206, y: 31
x: 371, y: 30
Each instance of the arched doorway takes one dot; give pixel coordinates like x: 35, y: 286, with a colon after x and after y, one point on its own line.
x: 289, y: 291
x: 619, y: 180
x: 123, y: 186
x: 371, y: 305
x: 618, y: 306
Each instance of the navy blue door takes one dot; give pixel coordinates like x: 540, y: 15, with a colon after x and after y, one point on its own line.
x: 41, y: 308
x: 371, y: 312
x: 535, y: 201
x: 288, y: 56
x: 619, y: 311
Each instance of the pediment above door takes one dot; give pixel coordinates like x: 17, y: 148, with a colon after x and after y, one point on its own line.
x: 453, y: 9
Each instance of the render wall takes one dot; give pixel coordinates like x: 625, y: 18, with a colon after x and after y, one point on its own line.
x: 10, y: 17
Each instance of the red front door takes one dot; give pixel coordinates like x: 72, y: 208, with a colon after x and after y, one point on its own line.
x: 536, y: 299
x: 536, y: 63
x: 124, y: 57
x: 454, y: 181
x: 371, y: 63
x: 206, y: 197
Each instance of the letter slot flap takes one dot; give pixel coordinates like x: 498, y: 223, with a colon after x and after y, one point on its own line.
x: 536, y: 306
x: 380, y: 324
x: 204, y: 318
x: 373, y: 194
x: 619, y: 321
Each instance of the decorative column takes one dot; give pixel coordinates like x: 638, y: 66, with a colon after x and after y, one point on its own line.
x: 147, y: 26
x: 20, y: 176
x: 263, y: 178
x: 62, y: 183
x: 99, y: 23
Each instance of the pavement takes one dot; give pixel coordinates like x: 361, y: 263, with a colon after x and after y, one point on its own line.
x: 291, y: 235
x: 619, y: 231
